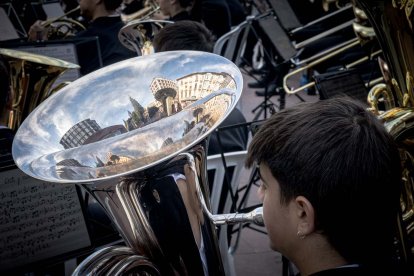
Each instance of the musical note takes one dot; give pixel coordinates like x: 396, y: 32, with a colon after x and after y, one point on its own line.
x: 38, y: 220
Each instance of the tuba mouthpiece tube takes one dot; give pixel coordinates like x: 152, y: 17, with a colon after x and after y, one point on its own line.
x: 255, y: 216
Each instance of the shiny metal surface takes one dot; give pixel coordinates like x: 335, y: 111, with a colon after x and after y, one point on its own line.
x: 393, y: 25
x: 133, y: 135
x: 150, y: 8
x: 138, y: 34
x: 392, y: 21
x: 31, y: 79
x: 124, y: 100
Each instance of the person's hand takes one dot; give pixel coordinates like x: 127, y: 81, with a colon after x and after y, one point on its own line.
x: 37, y: 31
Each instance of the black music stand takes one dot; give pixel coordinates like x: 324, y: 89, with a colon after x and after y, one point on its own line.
x: 341, y: 83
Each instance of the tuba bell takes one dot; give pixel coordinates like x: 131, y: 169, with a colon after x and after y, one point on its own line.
x: 31, y: 80
x: 393, y: 25
x: 133, y: 134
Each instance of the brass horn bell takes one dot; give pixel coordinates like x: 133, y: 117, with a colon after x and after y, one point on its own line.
x: 31, y: 80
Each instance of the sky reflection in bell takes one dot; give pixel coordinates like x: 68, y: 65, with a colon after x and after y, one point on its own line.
x: 104, y: 97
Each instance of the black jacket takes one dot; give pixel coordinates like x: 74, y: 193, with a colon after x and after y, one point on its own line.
x: 106, y: 29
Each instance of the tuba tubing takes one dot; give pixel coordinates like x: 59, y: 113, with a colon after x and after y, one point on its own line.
x: 393, y: 23
x: 145, y: 162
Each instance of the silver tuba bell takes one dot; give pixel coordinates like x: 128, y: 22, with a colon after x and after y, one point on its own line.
x: 133, y: 134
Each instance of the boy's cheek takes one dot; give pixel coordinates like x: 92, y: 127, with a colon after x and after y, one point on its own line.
x: 260, y: 193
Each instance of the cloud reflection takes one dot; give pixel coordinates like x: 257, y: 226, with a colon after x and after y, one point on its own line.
x: 104, y: 96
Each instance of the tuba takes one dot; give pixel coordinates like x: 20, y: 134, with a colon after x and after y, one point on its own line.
x: 31, y: 79
x: 393, y: 25
x: 133, y: 134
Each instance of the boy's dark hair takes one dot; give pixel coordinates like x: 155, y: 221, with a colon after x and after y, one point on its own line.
x: 342, y: 159
x: 184, y: 35
x: 112, y: 5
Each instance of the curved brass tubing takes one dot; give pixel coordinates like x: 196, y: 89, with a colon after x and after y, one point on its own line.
x: 352, y: 43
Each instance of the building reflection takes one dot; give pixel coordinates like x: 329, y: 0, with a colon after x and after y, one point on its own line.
x: 169, y: 98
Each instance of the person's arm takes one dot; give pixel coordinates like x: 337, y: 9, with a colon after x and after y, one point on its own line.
x: 37, y: 31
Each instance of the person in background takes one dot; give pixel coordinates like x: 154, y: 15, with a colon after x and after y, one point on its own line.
x: 184, y: 35
x: 324, y: 166
x: 105, y: 24
x: 218, y: 15
x: 173, y: 10
x: 4, y: 91
x: 6, y: 134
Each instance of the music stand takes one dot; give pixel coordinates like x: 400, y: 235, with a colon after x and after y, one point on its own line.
x: 14, y: 19
x: 42, y: 225
x: 83, y: 51
x: 341, y: 83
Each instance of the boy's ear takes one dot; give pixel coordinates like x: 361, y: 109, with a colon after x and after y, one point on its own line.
x: 305, y: 215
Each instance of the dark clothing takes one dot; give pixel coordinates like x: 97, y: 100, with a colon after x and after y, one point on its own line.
x: 231, y: 139
x: 345, y: 271
x: 168, y: 217
x: 237, y: 12
x: 360, y: 271
x: 106, y: 29
x: 218, y: 15
x: 215, y: 15
x: 184, y: 15
x: 6, y: 140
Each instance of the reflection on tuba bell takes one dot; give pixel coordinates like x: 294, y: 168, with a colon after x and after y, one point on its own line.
x: 145, y: 160
x: 393, y: 23
x: 138, y: 35
x: 31, y: 79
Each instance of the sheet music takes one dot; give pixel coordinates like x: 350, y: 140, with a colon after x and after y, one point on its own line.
x: 53, y: 10
x: 7, y: 29
x: 66, y: 52
x: 38, y: 220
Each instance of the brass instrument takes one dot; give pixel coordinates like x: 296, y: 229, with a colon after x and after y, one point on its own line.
x: 49, y: 22
x: 151, y: 7
x: 62, y: 27
x: 138, y: 35
x: 145, y: 159
x: 393, y: 22
x: 31, y: 79
x: 363, y: 34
